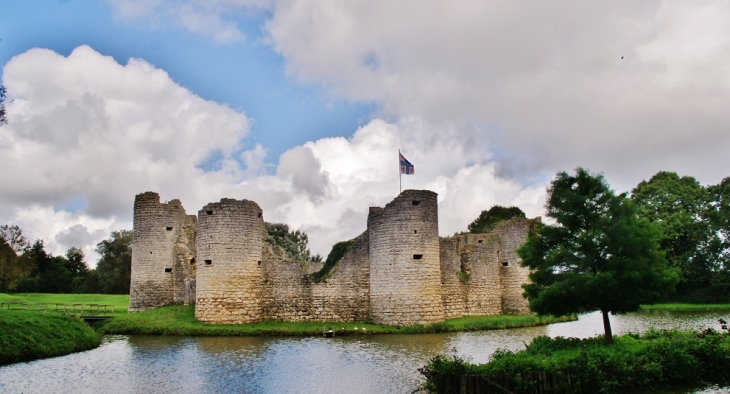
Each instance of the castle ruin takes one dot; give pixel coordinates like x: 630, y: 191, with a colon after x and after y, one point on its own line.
x: 398, y: 272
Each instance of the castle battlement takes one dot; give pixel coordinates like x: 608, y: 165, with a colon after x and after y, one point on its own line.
x: 398, y: 272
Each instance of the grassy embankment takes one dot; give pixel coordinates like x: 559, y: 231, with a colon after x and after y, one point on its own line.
x: 29, y: 335
x: 656, y: 359
x: 686, y: 307
x: 180, y: 320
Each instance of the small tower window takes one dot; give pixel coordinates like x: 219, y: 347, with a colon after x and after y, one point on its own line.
x: 168, y: 228
x: 192, y: 261
x: 417, y: 256
x: 208, y: 212
x: 416, y: 202
x: 259, y: 263
x: 168, y: 270
x: 505, y: 264
x: 415, y: 231
x: 259, y: 214
x: 208, y: 262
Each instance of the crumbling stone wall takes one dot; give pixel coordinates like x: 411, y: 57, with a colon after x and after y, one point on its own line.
x: 398, y: 272
x: 289, y: 292
x: 230, y: 241
x: 491, y: 277
x: 510, y: 236
x: 162, y: 250
x: 405, y: 277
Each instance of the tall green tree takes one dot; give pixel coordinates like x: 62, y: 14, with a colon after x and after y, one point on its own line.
x: 487, y: 220
x: 114, y: 269
x: 719, y: 217
x: 12, y: 268
x: 597, y: 256
x: 679, y: 206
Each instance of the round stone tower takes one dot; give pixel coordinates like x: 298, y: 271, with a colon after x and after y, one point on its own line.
x: 160, y: 230
x: 229, y: 241
x: 405, y: 276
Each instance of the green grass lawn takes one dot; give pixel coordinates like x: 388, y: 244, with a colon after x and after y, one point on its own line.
x: 686, y: 307
x: 120, y: 301
x: 26, y: 335
x: 180, y: 320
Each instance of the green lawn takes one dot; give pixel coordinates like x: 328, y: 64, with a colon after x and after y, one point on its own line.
x: 180, y: 320
x: 686, y: 307
x: 120, y: 301
x: 28, y: 335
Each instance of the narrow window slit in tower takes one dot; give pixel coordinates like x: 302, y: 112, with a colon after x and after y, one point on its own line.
x: 417, y: 256
x: 169, y: 228
x: 168, y: 269
x: 416, y: 202
x: 208, y: 212
x: 505, y: 264
x: 192, y: 261
x: 208, y: 262
x: 259, y: 214
x: 415, y: 231
x: 480, y: 241
x: 259, y: 263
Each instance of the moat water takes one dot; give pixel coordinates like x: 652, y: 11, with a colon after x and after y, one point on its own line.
x: 347, y: 364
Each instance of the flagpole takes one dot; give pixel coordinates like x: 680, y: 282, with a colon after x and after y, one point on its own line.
x: 400, y: 175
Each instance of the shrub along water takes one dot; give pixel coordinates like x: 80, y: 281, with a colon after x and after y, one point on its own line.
x: 569, y: 365
x: 28, y: 335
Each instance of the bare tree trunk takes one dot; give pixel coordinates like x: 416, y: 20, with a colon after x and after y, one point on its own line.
x: 607, y: 328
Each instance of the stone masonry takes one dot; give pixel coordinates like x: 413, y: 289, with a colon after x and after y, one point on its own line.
x: 398, y: 272
x: 405, y: 274
x: 230, y: 240
x: 163, y: 246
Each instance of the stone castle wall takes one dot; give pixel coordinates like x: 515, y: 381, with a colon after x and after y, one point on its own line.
x: 162, y: 248
x: 481, y: 273
x: 290, y: 294
x: 398, y: 272
x: 405, y: 278
x: 229, y: 264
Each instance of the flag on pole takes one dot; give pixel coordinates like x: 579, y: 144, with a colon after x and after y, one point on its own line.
x: 405, y: 166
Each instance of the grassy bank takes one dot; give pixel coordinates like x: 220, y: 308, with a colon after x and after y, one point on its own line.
x: 657, y: 359
x: 28, y: 335
x: 180, y: 320
x: 120, y: 301
x: 685, y: 307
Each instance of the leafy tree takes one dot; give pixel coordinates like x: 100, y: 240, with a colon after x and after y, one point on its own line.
x: 679, y: 207
x: 13, y: 236
x: 487, y: 220
x: 12, y: 268
x: 598, y: 256
x: 114, y: 269
x: 295, y: 243
x: 719, y: 217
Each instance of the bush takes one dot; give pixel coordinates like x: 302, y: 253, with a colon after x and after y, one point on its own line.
x: 653, y: 360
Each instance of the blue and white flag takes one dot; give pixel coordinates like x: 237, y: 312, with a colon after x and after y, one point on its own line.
x: 405, y: 166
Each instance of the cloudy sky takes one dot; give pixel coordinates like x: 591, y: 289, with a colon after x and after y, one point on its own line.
x: 302, y: 105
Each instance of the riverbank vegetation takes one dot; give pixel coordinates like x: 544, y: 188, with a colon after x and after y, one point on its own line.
x: 656, y: 359
x: 26, y: 335
x: 180, y: 320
